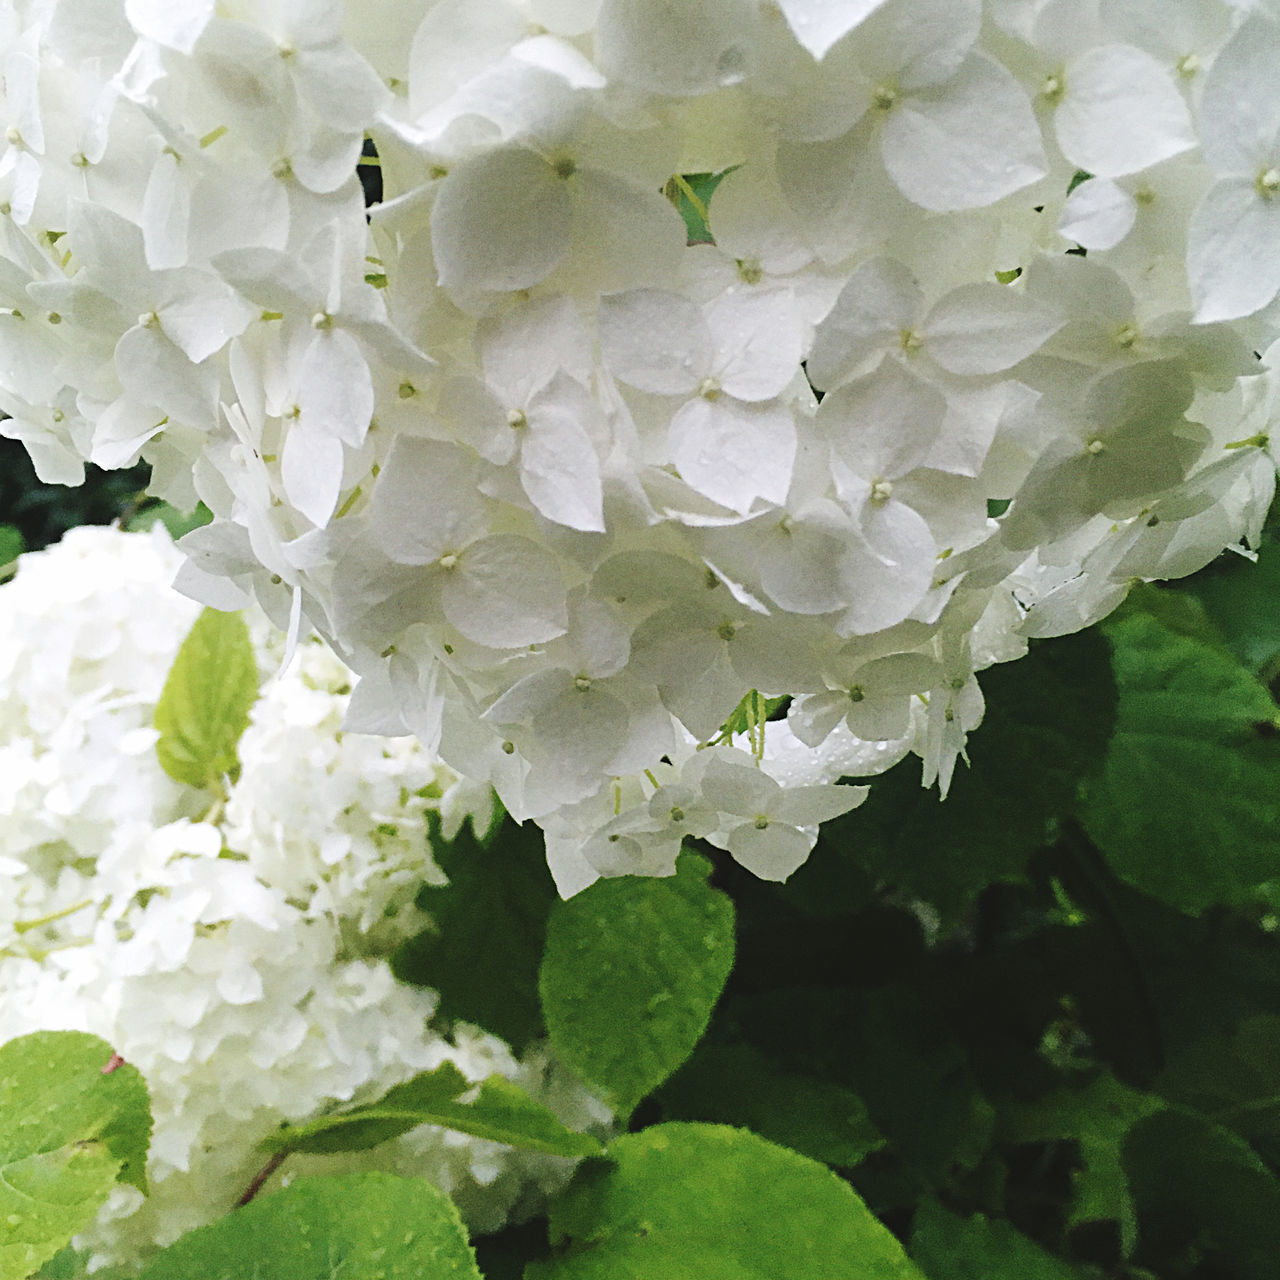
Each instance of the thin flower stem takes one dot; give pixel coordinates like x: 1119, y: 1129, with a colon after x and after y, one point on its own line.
x: 259, y: 1178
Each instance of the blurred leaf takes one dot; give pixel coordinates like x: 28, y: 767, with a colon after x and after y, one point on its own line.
x: 737, y: 1085
x: 632, y: 970
x: 892, y: 1049
x: 12, y: 544
x: 483, y: 953
x: 1234, y: 1080
x: 1188, y: 803
x: 1096, y: 1117
x: 704, y: 1202
x: 949, y: 1247
x: 1203, y: 1192
x: 177, y: 522
x: 205, y: 705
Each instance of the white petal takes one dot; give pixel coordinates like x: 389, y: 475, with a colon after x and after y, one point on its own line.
x: 426, y: 502
x: 757, y: 341
x: 739, y: 788
x: 987, y: 327
x: 884, y: 425
x: 153, y: 371
x: 521, y: 351
x: 166, y: 210
x: 1121, y: 112
x: 655, y: 341
x: 809, y: 806
x: 879, y: 301
x: 609, y: 212
x: 965, y: 144
x: 559, y: 468
x: 673, y: 47
x: 751, y: 219
x: 505, y: 591
x: 176, y: 24
x: 1098, y: 214
x: 733, y: 452
x: 335, y: 388
x: 202, y: 314
x: 813, y: 717
x: 1233, y: 251
x: 818, y: 24
x: 311, y: 470
x: 1240, y: 107
x: 771, y: 854
x: 501, y: 221
x: 897, y: 569
x: 803, y: 571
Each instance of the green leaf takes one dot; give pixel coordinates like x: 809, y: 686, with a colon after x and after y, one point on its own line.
x: 691, y: 194
x: 177, y: 522
x: 754, y: 710
x: 362, y: 1226
x: 12, y: 544
x: 68, y: 1132
x: 707, y: 1202
x: 1243, y: 601
x: 949, y: 1247
x: 1047, y: 723
x: 359, y: 1128
x: 737, y: 1085
x: 204, y: 707
x: 501, y: 1112
x: 1096, y: 1117
x: 1202, y: 1193
x: 1235, y: 1080
x: 896, y: 1053
x: 1187, y: 807
x: 482, y: 956
x: 632, y: 970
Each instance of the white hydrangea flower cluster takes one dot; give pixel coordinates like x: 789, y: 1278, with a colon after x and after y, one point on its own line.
x: 232, y: 957
x: 971, y: 353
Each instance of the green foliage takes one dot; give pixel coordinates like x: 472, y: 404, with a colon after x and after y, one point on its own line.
x: 175, y: 521
x: 12, y: 545
x: 42, y: 513
x: 632, y: 969
x: 205, y: 705
x: 483, y: 954
x: 736, y: 1084
x: 1243, y: 602
x: 363, y: 1226
x: 1096, y: 1117
x: 73, y: 1123
x: 501, y: 1112
x: 1192, y: 766
x: 1047, y: 723
x: 691, y: 194
x: 949, y: 1247
x: 1202, y: 1192
x: 705, y: 1202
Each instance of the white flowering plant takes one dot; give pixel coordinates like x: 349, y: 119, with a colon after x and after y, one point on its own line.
x: 685, y: 409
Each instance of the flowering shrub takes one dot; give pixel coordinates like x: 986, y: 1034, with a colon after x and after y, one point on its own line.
x: 231, y: 947
x: 968, y: 344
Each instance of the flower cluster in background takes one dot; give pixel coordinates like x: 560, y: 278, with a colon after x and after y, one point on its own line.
x: 980, y: 342
x: 231, y: 951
